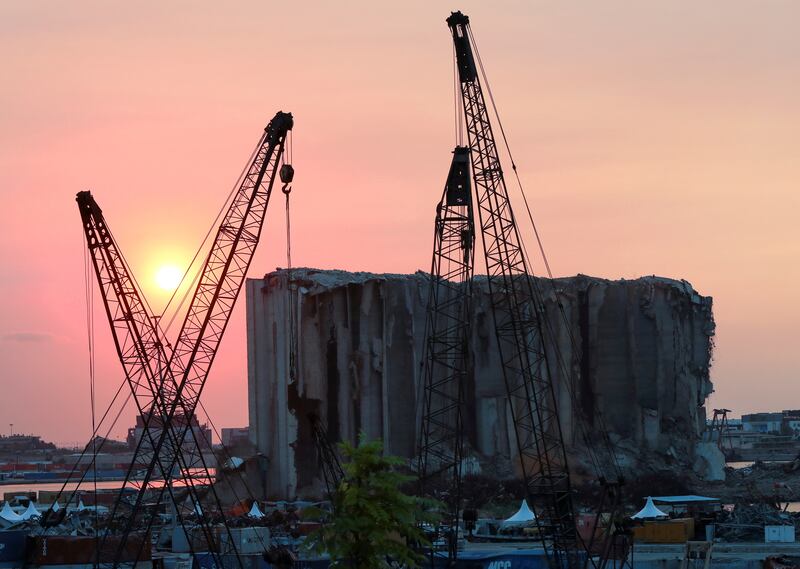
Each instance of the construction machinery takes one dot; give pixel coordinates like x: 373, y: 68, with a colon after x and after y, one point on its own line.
x: 332, y: 470
x: 446, y: 347
x: 143, y: 357
x: 166, y: 386
x: 522, y: 332
x: 718, y: 429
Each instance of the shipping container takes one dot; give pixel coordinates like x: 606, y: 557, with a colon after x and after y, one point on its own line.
x: 208, y: 561
x: 513, y: 559
x: 43, y: 475
x: 667, y: 531
x: 20, y: 496
x: 110, y: 473
x: 48, y: 497
x: 13, y: 547
x: 779, y: 534
x: 247, y: 540
x: 71, y: 550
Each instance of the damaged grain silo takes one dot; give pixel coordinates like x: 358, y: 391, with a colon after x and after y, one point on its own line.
x: 640, y: 352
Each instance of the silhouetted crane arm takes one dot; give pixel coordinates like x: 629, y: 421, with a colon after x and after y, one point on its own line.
x: 332, y: 470
x: 517, y: 309
x: 222, y: 276
x: 141, y: 352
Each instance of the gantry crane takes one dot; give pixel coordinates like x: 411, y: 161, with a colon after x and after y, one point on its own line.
x: 517, y: 309
x: 180, y: 376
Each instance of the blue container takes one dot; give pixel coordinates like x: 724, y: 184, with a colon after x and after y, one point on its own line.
x: 12, y: 547
x: 41, y: 475
x: 109, y: 474
x: 489, y: 558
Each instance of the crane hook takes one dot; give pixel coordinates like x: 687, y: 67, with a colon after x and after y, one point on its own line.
x: 287, y: 175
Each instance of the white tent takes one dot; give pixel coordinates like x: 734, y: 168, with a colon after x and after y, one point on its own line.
x: 255, y: 512
x: 10, y: 515
x: 649, y: 512
x: 523, y: 516
x: 31, y: 512
x: 234, y: 462
x: 81, y: 506
x: 55, y: 507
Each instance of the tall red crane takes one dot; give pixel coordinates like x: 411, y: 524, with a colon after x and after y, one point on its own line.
x: 180, y: 377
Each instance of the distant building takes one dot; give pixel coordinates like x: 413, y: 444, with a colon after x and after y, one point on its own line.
x: 763, y: 436
x: 235, y: 436
x: 110, y: 445
x: 199, y: 436
x: 786, y: 422
x: 22, y: 443
x: 791, y: 422
x: 762, y: 422
x: 735, y: 425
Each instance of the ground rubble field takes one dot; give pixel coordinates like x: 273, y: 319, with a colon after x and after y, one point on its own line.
x: 763, y: 482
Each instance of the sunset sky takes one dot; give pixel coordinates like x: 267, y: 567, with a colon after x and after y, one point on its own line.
x: 652, y: 137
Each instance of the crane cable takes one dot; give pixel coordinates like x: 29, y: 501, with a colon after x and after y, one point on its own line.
x: 600, y: 419
x: 211, y: 228
x: 582, y: 426
x: 237, y: 469
x: 287, y: 175
x: 92, y: 444
x: 89, y: 301
x: 286, y: 189
x: 185, y: 296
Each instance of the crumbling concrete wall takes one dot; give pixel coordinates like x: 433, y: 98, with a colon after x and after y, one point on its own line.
x: 636, y: 359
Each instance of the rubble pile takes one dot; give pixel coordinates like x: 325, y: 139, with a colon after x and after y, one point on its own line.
x: 746, y: 522
x: 773, y: 483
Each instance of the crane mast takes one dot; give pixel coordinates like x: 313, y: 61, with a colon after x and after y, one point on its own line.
x: 517, y: 309
x: 446, y: 348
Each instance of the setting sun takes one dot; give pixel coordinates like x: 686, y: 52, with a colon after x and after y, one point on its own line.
x: 168, y: 277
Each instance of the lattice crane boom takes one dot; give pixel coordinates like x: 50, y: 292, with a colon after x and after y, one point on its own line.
x: 446, y: 348
x: 141, y: 352
x: 222, y: 276
x: 149, y: 370
x: 332, y: 470
x: 517, y: 306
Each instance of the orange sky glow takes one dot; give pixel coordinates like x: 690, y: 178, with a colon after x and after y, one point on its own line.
x: 653, y: 138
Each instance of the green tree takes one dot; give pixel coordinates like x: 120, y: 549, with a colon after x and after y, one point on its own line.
x: 374, y: 522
